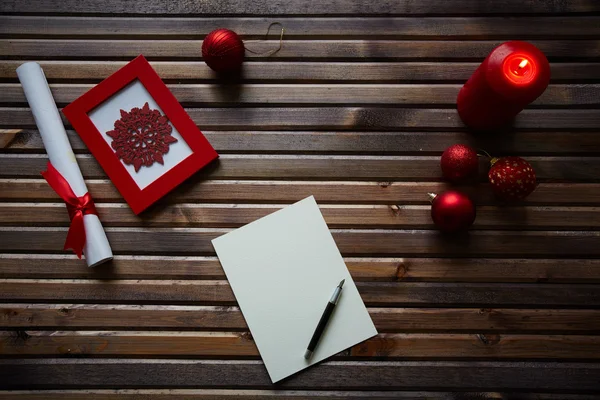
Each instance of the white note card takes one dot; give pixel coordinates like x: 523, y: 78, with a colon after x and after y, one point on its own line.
x: 283, y: 269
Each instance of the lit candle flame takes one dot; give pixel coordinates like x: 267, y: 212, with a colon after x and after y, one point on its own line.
x: 522, y: 64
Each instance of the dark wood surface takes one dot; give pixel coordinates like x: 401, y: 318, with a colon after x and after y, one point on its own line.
x: 355, y: 109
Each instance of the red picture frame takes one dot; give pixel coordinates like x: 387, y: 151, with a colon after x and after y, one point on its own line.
x: 139, y: 199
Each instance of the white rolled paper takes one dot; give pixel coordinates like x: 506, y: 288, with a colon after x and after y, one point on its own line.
x: 97, y: 249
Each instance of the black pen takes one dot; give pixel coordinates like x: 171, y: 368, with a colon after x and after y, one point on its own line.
x: 323, y: 321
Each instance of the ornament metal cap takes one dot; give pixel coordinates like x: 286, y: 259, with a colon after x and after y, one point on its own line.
x: 432, y: 196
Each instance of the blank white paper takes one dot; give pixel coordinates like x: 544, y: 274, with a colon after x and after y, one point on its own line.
x: 283, y: 269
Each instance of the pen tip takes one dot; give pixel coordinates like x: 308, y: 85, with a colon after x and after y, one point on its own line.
x: 342, y: 282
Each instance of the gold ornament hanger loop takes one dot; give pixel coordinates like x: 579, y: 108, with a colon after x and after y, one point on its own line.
x: 270, y: 52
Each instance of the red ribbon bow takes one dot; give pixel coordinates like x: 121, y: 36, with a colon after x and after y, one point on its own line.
x: 76, y: 206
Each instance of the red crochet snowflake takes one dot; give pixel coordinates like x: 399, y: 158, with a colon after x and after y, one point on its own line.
x: 141, y: 137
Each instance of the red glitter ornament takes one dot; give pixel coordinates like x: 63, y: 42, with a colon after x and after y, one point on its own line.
x: 141, y: 137
x: 223, y: 50
x: 452, y: 211
x: 511, y: 178
x: 459, y: 162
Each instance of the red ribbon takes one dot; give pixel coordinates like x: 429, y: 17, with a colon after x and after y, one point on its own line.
x: 76, y: 206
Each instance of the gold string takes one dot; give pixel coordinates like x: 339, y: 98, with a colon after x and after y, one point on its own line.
x: 484, y: 153
x: 270, y: 52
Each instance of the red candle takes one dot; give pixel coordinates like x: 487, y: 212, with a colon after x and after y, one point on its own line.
x: 512, y: 76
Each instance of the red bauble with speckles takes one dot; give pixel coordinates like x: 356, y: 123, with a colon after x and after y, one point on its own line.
x: 452, y: 211
x: 459, y: 163
x: 223, y: 50
x: 511, y: 178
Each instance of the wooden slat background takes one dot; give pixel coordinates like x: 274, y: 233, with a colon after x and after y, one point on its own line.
x: 356, y: 110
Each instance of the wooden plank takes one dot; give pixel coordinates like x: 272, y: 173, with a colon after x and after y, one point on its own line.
x: 386, y: 143
x: 477, y: 346
x: 336, y: 216
x: 324, y: 71
x: 340, y: 375
x: 138, y: 344
x: 394, y: 27
x: 97, y: 316
x: 496, y: 270
x: 407, y: 320
x: 333, y: 50
x: 325, y: 192
x: 313, y: 167
x: 344, y: 7
x: 374, y: 294
x: 147, y: 267
x: 228, y: 394
x: 53, y: 266
x: 339, y: 94
x: 357, y: 242
x: 345, y: 118
x: 241, y: 345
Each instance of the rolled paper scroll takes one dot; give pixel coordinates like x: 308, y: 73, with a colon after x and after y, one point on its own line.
x: 96, y: 249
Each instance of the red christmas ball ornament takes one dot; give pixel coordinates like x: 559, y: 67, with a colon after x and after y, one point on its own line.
x: 452, y: 211
x: 511, y: 178
x: 223, y: 50
x: 459, y: 162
